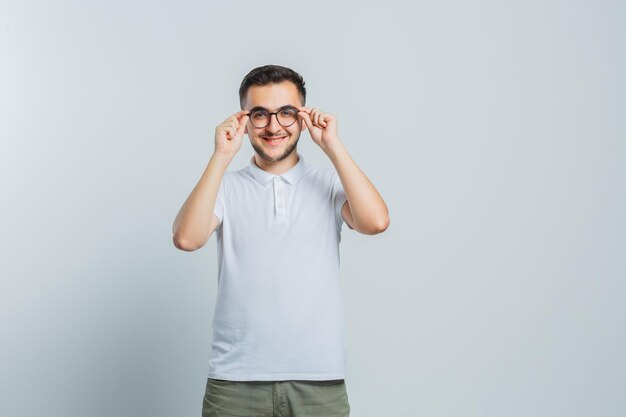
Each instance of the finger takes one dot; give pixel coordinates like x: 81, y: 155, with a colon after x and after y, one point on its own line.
x: 307, y: 120
x: 323, y: 120
x: 236, y: 116
x: 319, y: 117
x: 316, y: 117
x: 305, y: 109
x: 231, y: 131
x: 242, y: 125
x: 230, y: 125
x: 234, y: 121
x: 240, y: 115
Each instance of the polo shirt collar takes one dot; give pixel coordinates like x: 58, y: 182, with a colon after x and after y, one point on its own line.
x: 292, y: 176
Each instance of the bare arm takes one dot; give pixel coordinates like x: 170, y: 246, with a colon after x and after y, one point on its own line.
x: 195, y: 221
x: 365, y: 211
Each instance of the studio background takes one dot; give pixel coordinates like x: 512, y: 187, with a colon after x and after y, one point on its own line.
x: 494, y: 130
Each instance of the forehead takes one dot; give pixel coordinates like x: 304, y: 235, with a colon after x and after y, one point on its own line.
x: 273, y: 96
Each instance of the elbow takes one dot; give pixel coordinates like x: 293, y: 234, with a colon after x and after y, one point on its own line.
x: 185, y: 244
x: 381, y: 226
x: 376, y: 227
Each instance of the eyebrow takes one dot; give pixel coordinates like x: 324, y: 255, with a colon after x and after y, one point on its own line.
x: 288, y: 106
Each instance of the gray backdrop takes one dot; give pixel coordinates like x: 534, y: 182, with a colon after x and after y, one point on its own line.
x: 494, y: 130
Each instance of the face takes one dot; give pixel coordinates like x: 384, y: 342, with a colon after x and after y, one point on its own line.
x: 272, y: 97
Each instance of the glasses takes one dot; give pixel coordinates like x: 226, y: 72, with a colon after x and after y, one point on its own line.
x: 286, y: 116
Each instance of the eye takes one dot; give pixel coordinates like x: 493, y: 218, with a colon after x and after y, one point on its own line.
x: 287, y: 112
x: 259, y: 115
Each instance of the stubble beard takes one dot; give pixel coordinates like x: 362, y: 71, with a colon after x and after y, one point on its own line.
x: 259, y: 150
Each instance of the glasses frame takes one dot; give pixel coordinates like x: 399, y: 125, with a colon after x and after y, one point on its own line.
x: 269, y: 119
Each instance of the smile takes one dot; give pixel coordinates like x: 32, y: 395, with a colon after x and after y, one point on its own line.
x: 273, y: 140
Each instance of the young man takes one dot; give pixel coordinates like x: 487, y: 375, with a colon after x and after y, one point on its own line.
x: 278, y: 331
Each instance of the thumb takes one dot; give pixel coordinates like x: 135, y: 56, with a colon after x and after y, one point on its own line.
x: 242, y: 125
x: 307, y: 120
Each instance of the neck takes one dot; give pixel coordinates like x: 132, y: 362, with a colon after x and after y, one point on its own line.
x: 278, y: 167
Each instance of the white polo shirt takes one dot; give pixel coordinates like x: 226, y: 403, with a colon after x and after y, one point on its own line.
x: 279, y: 310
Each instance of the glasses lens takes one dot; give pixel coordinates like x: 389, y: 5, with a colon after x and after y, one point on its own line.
x: 287, y: 117
x: 260, y: 118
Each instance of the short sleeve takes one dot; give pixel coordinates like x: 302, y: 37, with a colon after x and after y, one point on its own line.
x: 339, y: 198
x: 218, y: 210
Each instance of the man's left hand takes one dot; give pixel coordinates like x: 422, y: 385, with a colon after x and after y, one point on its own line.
x: 322, y: 127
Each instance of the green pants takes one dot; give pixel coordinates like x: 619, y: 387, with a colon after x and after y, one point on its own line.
x: 275, y: 398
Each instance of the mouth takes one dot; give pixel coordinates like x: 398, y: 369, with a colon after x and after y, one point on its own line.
x: 274, y: 140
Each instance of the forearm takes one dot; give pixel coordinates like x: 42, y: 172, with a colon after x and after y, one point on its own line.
x: 192, y: 225
x: 369, y: 211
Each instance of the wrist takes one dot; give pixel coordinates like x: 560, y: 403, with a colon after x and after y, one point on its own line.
x: 221, y: 159
x: 334, y: 149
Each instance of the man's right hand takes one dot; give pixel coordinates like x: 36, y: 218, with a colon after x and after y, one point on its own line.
x: 229, y: 134
x: 195, y: 222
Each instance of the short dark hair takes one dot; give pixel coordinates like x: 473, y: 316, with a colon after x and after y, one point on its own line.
x: 271, y: 74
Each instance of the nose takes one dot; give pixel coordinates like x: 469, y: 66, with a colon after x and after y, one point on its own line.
x: 273, y: 124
